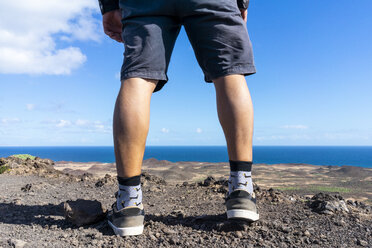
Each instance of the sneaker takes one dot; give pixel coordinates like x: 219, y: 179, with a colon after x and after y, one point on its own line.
x: 241, y: 204
x: 126, y: 221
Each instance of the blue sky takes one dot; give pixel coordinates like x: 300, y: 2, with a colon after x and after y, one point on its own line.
x: 59, y: 77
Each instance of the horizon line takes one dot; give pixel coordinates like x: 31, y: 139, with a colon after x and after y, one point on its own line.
x: 3, y: 146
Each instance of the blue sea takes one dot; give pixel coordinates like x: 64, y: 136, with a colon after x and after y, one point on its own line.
x: 317, y: 155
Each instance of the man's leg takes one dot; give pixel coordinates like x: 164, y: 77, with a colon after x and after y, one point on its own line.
x: 235, y: 113
x: 131, y: 124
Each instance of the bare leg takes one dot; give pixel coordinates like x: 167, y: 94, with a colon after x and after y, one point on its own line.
x: 235, y: 113
x: 131, y: 124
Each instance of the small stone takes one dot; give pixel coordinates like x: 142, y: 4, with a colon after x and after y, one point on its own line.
x: 286, y: 229
x: 239, y: 234
x: 16, y: 201
x: 307, y: 233
x: 27, y: 187
x: 74, y: 242
x: 100, y: 183
x: 362, y: 242
x: 315, y: 241
x: 179, y: 213
x: 340, y: 223
x: 172, y: 241
x: 16, y: 243
x: 152, y: 237
x: 84, y: 212
x: 168, y: 231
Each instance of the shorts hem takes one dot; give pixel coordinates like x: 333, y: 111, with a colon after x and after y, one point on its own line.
x: 161, y: 76
x: 240, y: 69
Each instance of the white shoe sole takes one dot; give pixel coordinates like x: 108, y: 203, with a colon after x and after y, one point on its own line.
x: 126, y: 231
x: 242, y: 214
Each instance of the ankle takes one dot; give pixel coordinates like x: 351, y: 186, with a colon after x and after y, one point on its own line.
x: 130, y: 192
x: 240, y: 176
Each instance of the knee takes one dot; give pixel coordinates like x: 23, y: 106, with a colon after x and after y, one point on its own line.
x: 142, y: 84
x: 230, y: 83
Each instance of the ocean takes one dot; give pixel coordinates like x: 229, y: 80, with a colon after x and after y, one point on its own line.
x: 317, y: 155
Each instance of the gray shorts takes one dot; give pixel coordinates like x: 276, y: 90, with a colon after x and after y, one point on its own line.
x: 215, y: 28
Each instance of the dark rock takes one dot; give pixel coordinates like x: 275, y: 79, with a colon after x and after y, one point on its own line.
x: 222, y: 181
x: 27, y: 187
x: 339, y: 223
x: 86, y: 177
x: 3, y: 161
x: 256, y: 187
x: 179, y: 213
x: 362, y: 242
x: 99, y: 183
x: 286, y: 229
x: 20, y: 166
x: 172, y: 241
x: 315, y: 241
x: 327, y: 204
x: 83, y: 212
x: 208, y: 181
x: 106, y: 179
x: 151, y: 178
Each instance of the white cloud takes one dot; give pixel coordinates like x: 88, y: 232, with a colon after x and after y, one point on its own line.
x: 10, y: 120
x: 30, y: 32
x: 271, y: 137
x: 295, y: 127
x: 98, y: 127
x: 63, y: 123
x: 82, y: 125
x: 165, y: 130
x: 81, y: 122
x: 346, y: 136
x: 30, y: 106
x: 293, y: 137
x: 199, y: 130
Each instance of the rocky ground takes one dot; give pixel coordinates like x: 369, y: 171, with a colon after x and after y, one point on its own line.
x: 186, y: 214
x: 353, y: 182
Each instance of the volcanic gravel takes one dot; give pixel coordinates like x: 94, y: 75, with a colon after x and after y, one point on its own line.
x: 182, y: 215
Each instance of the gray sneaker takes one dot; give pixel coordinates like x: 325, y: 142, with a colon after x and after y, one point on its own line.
x: 127, y: 221
x: 241, y: 204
